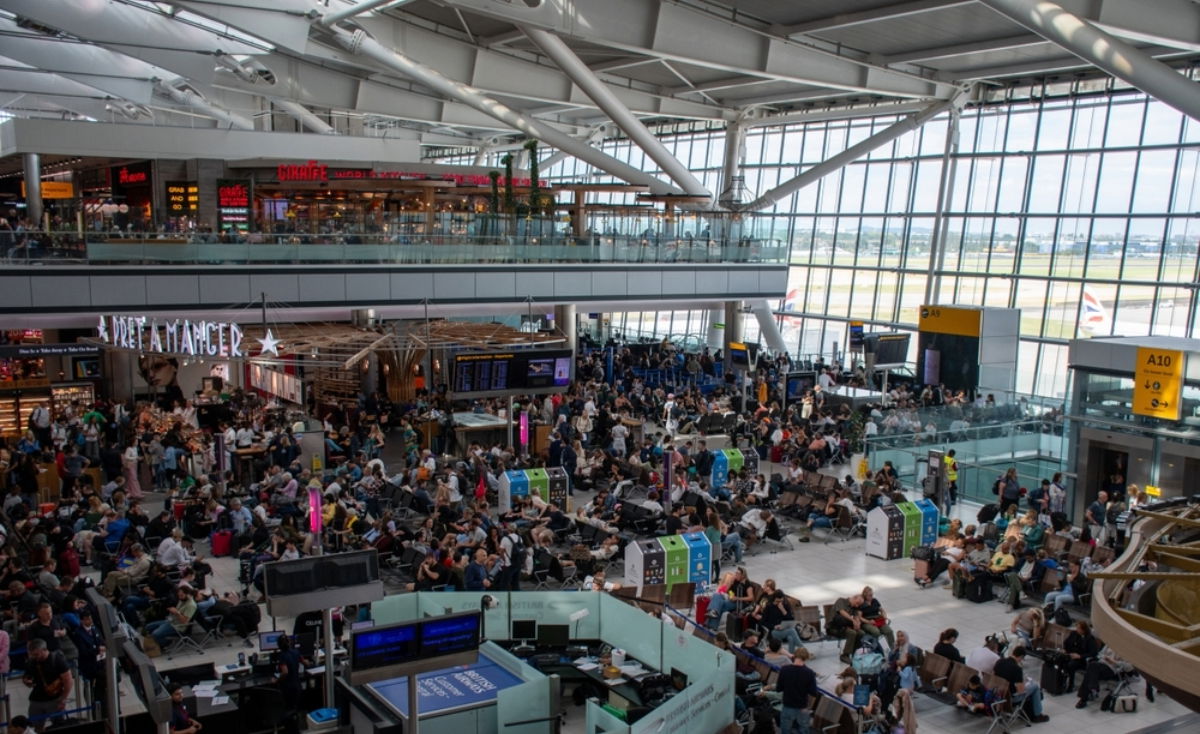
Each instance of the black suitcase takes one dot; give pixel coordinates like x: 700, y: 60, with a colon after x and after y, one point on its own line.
x: 980, y: 590
x: 1054, y: 676
x: 988, y: 512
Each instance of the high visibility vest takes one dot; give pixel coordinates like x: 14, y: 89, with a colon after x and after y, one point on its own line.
x: 951, y: 468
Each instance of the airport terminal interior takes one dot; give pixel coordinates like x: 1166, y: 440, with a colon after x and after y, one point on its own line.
x: 599, y: 366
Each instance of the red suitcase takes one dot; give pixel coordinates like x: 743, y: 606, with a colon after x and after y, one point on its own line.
x: 222, y: 543
x: 702, y: 608
x: 777, y: 454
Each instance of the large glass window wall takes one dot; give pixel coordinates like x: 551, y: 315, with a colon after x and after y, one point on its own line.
x: 1089, y: 194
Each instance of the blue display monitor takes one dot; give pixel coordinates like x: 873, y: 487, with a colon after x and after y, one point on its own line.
x: 269, y: 641
x: 450, y: 635
x: 413, y: 647
x: 383, y: 646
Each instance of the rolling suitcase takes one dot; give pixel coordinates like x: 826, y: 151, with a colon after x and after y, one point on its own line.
x: 1054, y: 674
x: 222, y: 543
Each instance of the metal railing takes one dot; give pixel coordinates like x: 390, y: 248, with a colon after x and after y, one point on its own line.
x: 64, y: 248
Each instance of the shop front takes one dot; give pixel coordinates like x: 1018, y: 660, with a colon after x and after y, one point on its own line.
x: 410, y: 200
x: 34, y: 372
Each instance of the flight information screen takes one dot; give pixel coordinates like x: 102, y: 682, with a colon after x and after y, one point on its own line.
x: 487, y: 374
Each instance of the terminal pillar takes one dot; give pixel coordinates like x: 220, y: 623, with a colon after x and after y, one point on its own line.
x: 733, y: 328
x: 716, y: 320
x: 33, y: 190
x: 565, y: 320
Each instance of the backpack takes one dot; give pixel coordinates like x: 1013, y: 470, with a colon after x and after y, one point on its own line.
x: 1062, y: 617
x: 516, y: 557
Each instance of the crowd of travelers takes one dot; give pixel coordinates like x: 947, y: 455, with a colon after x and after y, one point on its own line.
x: 432, y: 511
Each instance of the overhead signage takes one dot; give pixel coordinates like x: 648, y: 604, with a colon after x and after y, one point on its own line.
x: 856, y: 336
x: 1158, y: 383
x: 233, y: 205
x: 183, y: 198
x: 54, y: 190
x: 491, y: 374
x: 317, y: 171
x: 23, y: 351
x: 950, y: 320
x: 181, y: 337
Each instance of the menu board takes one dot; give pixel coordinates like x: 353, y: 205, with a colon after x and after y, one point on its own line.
x: 183, y: 198
x: 233, y: 205
x: 497, y: 373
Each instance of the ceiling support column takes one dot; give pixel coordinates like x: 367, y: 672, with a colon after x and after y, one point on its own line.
x: 363, y: 45
x: 598, y: 92
x: 189, y: 98
x: 1057, y: 25
x: 33, y: 190
x: 305, y: 116
x: 854, y: 152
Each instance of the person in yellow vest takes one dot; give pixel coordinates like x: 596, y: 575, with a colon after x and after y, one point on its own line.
x: 762, y: 392
x: 951, y: 475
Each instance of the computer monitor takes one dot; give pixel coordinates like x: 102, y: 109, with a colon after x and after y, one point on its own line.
x: 269, y: 641
x: 524, y: 629
x: 679, y: 679
x: 553, y: 635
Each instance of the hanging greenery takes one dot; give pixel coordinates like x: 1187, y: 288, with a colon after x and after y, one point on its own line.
x: 507, y: 160
x: 495, y: 198
x: 535, y: 193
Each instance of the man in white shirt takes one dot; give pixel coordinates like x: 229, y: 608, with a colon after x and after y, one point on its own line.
x: 983, y: 658
x: 245, y: 437
x: 825, y: 380
x: 172, y: 552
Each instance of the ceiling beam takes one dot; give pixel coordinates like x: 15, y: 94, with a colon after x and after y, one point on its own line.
x: 1007, y: 43
x: 888, y: 12
x: 1123, y: 61
x: 679, y: 33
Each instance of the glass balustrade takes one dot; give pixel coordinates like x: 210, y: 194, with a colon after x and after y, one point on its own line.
x: 64, y: 248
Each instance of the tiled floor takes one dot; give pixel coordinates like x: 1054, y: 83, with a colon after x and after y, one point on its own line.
x: 818, y: 573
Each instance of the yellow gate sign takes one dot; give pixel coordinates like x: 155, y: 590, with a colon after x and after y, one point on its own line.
x: 1153, y: 491
x: 1158, y: 383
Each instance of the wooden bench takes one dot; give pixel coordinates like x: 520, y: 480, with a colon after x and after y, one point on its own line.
x: 935, y: 670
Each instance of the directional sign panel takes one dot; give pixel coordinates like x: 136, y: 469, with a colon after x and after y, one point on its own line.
x: 1158, y: 383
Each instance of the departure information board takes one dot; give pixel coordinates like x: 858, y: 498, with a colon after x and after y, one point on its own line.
x: 488, y: 374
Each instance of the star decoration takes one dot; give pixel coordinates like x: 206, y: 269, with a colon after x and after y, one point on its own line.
x: 269, y: 344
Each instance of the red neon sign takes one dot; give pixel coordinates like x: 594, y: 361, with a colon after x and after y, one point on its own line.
x: 233, y: 195
x: 126, y: 176
x: 311, y: 171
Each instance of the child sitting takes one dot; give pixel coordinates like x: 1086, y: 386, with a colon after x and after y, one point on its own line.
x: 971, y: 698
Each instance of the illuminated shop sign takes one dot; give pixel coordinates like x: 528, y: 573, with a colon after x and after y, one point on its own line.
x: 181, y: 337
x: 317, y: 171
x: 233, y: 205
x: 127, y: 176
x: 183, y: 197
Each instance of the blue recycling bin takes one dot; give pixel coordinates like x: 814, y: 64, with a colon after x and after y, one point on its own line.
x: 700, y: 558
x: 929, y: 521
